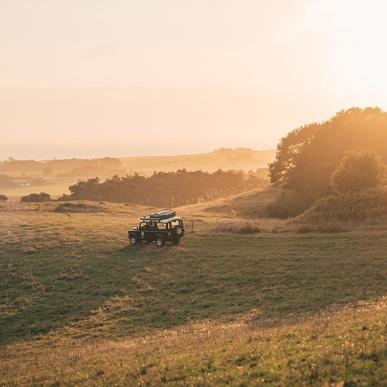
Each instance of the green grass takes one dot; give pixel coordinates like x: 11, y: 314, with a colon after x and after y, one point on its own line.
x: 75, y: 278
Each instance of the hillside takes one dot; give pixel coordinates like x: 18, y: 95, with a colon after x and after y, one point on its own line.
x: 274, y: 308
x: 251, y: 205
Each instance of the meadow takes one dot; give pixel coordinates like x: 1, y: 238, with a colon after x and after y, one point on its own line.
x: 79, y: 305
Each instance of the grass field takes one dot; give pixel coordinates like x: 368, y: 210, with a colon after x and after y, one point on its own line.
x: 77, y: 305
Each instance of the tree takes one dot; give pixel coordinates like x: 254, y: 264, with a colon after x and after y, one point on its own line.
x: 307, y: 157
x: 356, y: 172
x: 3, y: 198
x: 36, y: 198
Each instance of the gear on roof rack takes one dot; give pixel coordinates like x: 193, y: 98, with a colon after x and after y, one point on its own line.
x: 166, y: 214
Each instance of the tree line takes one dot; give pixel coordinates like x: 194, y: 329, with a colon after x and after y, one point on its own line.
x: 164, y: 189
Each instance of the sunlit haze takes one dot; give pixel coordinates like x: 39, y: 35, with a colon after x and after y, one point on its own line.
x: 140, y: 77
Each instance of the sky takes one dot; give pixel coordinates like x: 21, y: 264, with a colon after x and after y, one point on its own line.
x: 91, y: 78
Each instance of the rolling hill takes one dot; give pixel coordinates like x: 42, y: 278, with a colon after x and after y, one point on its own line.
x: 239, y: 158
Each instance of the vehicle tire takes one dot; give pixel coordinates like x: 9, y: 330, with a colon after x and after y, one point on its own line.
x: 133, y: 240
x: 176, y: 240
x: 160, y: 241
x: 178, y: 231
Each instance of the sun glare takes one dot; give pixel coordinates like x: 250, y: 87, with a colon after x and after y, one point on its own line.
x: 358, y: 30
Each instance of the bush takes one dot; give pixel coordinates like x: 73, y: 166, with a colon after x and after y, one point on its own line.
x: 237, y: 228
x: 77, y: 207
x: 249, y: 230
x: 287, y: 205
x: 3, y: 198
x: 356, y: 172
x: 36, y: 198
x: 304, y: 229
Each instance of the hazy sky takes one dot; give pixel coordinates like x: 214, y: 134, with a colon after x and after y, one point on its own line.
x: 83, y: 78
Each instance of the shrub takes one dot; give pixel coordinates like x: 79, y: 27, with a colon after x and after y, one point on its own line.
x: 237, y: 228
x: 3, y: 198
x: 356, y: 172
x: 288, y: 204
x: 249, y: 230
x: 36, y: 198
x: 77, y: 207
x: 304, y: 229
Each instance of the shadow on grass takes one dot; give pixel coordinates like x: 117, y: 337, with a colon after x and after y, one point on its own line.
x: 138, y: 289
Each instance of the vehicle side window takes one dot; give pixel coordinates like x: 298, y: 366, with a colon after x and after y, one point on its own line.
x: 174, y: 223
x: 162, y: 226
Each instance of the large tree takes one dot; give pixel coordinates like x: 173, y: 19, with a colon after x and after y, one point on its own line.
x: 307, y: 157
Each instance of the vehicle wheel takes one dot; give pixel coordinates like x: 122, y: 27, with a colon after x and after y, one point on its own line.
x: 133, y: 240
x: 176, y: 240
x: 178, y: 231
x: 160, y: 241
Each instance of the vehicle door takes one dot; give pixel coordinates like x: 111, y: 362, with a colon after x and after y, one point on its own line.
x: 142, y: 229
x: 153, y: 229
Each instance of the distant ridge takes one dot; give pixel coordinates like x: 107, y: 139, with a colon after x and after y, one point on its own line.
x: 223, y: 158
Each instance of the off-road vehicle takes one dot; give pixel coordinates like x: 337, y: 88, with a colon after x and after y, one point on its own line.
x: 161, y: 227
